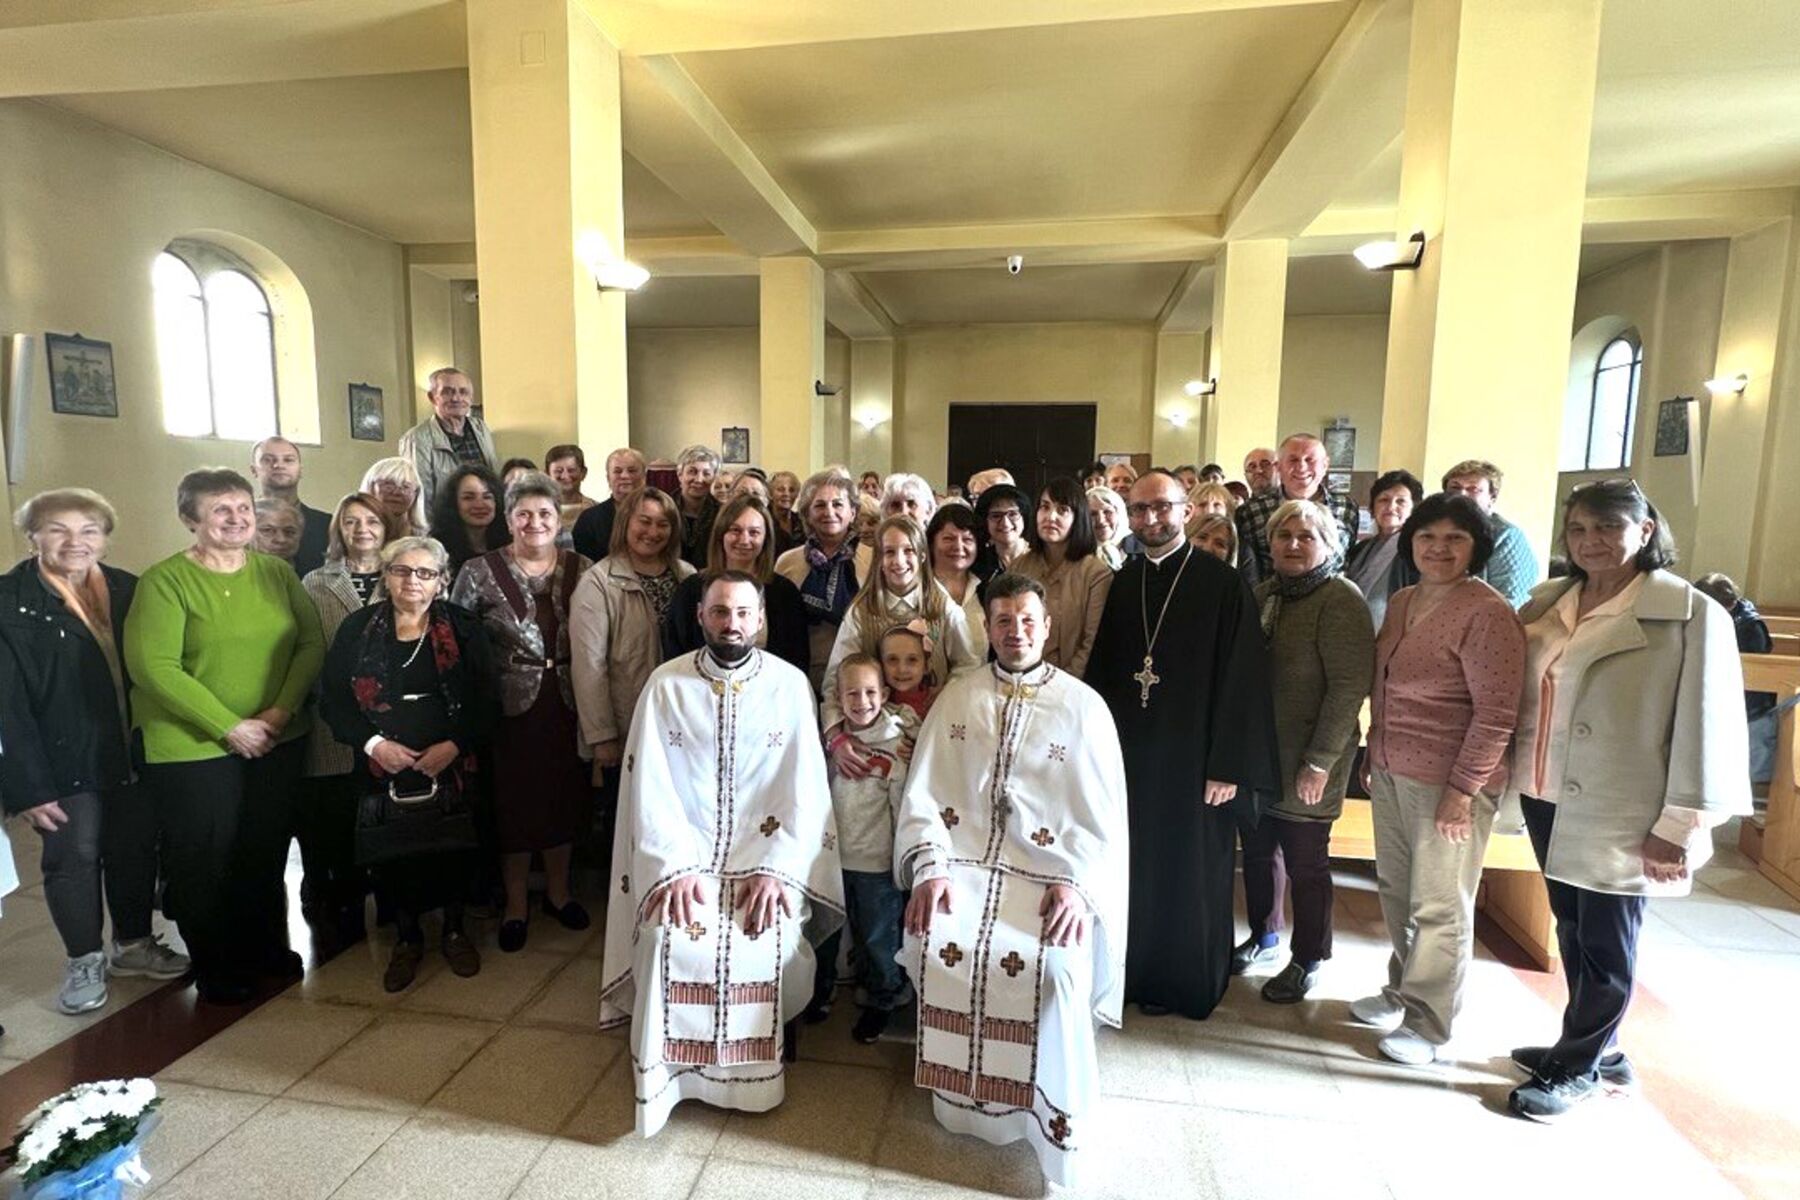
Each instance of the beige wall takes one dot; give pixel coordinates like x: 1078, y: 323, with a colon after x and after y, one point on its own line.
x: 688, y: 384
x: 82, y: 216
x: 1109, y: 365
x: 1333, y: 367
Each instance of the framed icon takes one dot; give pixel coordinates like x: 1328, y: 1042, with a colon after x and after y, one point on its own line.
x: 81, y: 376
x: 734, y: 444
x: 367, y: 421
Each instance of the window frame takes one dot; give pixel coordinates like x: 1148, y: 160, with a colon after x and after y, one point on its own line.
x: 1634, y: 383
x: 204, y: 261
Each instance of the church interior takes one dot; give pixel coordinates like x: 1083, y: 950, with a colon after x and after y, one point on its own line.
x: 866, y: 223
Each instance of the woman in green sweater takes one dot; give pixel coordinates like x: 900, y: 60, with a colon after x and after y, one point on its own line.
x: 223, y: 645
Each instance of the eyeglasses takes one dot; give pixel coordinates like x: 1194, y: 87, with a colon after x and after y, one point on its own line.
x: 422, y: 574
x: 1158, y: 508
x: 1008, y: 516
x: 394, y: 485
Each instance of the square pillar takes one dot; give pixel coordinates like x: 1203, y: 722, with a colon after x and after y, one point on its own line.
x: 1249, y: 311
x: 792, y: 426
x: 544, y: 110
x: 871, y: 424
x: 1178, y: 420
x: 1495, y: 175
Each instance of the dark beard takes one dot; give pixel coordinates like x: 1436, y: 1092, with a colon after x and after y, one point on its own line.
x: 729, y: 654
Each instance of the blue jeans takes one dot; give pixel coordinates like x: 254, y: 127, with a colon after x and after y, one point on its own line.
x: 875, y: 908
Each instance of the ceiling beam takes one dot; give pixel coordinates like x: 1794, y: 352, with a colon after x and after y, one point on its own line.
x: 680, y: 136
x: 1043, y: 243
x: 119, y: 47
x: 1350, y: 110
x: 852, y: 309
x: 1189, y: 306
x: 705, y: 255
x: 661, y: 27
x: 1670, y: 217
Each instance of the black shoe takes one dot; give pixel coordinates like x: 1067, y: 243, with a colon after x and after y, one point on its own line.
x: 1291, y: 986
x: 871, y: 1023
x: 282, y: 964
x: 1616, y: 1071
x: 461, y: 954
x: 403, y: 966
x: 790, y: 1041
x: 818, y: 1012
x: 572, y: 915
x: 512, y: 936
x: 1251, y: 952
x: 1549, y: 1100
x: 225, y: 989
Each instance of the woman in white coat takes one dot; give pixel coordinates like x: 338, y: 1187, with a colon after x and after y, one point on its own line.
x: 1630, y: 745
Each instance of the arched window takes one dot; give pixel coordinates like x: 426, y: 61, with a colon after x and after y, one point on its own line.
x: 1600, y: 439
x: 215, y: 343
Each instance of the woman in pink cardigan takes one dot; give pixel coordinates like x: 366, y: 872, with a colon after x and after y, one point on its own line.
x: 1448, y: 665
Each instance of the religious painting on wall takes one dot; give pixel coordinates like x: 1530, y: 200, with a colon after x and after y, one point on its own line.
x: 1340, y: 445
x: 734, y: 444
x: 81, y: 376
x: 367, y: 422
x: 1672, y: 426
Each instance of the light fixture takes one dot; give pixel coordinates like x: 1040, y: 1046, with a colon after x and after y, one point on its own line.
x: 1392, y: 256
x: 1200, y: 387
x: 1179, y: 418
x: 1728, y: 385
x: 870, y: 421
x: 821, y: 388
x: 619, y: 276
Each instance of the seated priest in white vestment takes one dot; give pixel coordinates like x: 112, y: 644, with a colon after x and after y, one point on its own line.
x: 1012, y: 839
x: 727, y: 868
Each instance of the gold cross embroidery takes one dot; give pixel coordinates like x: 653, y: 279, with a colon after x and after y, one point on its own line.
x: 950, y: 818
x: 1012, y: 964
x: 1043, y: 837
x: 696, y: 931
x: 951, y: 954
x: 769, y: 826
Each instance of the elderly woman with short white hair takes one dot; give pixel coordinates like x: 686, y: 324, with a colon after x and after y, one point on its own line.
x: 1321, y: 662
x: 395, y: 482
x: 695, y: 470
x: 65, y: 725
x: 908, y: 495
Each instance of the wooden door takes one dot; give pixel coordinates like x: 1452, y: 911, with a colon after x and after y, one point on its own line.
x: 1036, y: 442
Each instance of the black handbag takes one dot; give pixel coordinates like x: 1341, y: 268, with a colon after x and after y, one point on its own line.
x: 393, y: 822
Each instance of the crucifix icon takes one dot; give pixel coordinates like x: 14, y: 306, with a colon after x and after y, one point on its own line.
x: 951, y: 955
x: 1146, y: 679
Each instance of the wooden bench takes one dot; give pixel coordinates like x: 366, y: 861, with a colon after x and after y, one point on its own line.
x: 1773, y: 839
x: 1512, y: 888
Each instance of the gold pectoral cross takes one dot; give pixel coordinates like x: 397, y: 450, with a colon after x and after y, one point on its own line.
x: 1146, y: 679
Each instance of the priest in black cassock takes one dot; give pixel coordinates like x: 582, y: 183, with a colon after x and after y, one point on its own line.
x: 1180, y: 661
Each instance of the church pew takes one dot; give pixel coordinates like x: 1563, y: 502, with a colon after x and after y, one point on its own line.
x: 1773, y: 838
x: 1512, y: 889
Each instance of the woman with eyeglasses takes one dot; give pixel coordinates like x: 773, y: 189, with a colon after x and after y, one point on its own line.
x: 408, y: 686
x: 522, y: 594
x: 1631, y: 745
x: 350, y: 580
x: 222, y: 645
x: 395, y: 482
x: 1002, y: 514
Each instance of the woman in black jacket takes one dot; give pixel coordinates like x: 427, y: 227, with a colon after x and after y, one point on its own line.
x: 742, y: 539
x: 65, y: 759
x: 409, y: 682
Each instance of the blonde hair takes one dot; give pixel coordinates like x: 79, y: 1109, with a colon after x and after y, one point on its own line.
x: 628, y: 508
x: 874, y: 599
x: 1314, y: 516
x: 399, y: 469
x: 33, y: 513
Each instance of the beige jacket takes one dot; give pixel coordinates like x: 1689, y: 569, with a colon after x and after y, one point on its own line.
x: 1657, y: 720
x: 615, y: 641
x: 335, y: 597
x: 1074, y: 596
x: 821, y: 635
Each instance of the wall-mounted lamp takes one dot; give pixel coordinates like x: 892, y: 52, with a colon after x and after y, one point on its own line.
x: 821, y: 388
x: 619, y: 276
x: 870, y: 422
x: 1392, y: 256
x: 1200, y: 387
x: 1728, y: 385
x: 1179, y: 418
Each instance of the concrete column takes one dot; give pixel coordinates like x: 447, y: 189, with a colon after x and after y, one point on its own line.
x: 871, y: 424
x: 544, y: 108
x: 792, y: 429
x: 1249, y: 311
x: 1495, y: 174
x: 1178, y: 420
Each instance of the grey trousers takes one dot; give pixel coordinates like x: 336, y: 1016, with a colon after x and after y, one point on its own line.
x: 110, y: 836
x: 1427, y: 887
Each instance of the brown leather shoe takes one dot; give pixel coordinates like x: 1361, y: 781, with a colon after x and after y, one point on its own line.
x: 461, y: 954
x: 403, y: 967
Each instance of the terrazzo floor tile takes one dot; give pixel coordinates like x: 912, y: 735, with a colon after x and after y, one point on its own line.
x: 396, y: 1064
x: 272, y: 1048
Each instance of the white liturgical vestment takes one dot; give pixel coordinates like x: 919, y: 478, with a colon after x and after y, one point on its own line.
x: 724, y: 779
x: 1017, y: 783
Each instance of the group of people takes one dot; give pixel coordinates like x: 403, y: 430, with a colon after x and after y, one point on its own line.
x: 1010, y: 742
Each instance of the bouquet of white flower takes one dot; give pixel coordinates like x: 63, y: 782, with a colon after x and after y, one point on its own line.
x: 85, y: 1142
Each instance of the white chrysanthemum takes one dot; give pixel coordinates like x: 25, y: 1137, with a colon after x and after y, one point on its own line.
x: 89, y: 1129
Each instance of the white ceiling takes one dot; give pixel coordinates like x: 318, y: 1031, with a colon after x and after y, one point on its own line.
x: 1105, y: 292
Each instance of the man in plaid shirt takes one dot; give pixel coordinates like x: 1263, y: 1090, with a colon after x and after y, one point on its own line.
x: 1513, y: 569
x: 1299, y: 473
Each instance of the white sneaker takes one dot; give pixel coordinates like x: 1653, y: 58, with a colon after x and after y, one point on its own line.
x: 147, y: 956
x: 1408, y: 1048
x: 84, y: 984
x: 1377, y: 1010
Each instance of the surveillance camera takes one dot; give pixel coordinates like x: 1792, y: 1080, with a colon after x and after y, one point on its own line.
x: 1015, y: 263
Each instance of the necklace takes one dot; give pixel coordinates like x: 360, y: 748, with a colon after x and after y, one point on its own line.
x: 1148, y: 678
x: 417, y: 646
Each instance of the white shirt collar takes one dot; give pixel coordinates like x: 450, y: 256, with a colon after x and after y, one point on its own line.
x: 1175, y: 544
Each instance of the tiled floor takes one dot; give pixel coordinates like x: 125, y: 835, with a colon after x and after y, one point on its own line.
x: 500, y: 1087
